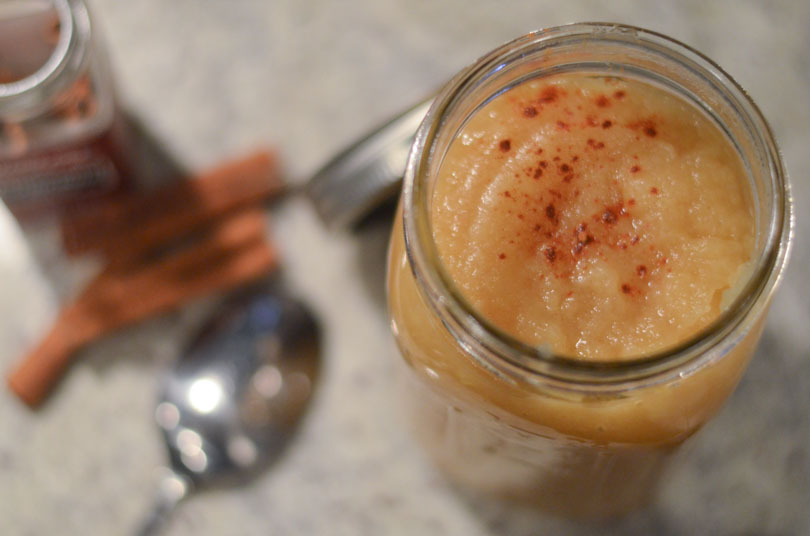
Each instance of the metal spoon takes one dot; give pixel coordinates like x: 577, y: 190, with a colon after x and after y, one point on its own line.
x: 232, y: 401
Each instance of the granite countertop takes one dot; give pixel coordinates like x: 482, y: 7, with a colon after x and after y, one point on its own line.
x: 210, y: 80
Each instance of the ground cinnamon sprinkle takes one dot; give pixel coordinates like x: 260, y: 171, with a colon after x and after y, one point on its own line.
x: 647, y: 126
x: 7, y: 76
x: 608, y: 216
x: 51, y: 34
x: 593, y: 144
x: 561, y: 223
x: 549, y: 94
x: 78, y: 102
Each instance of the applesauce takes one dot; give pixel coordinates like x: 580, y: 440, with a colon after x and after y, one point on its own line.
x: 587, y: 243
x: 601, y: 217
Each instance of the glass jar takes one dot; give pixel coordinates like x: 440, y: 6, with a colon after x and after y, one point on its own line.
x: 574, y: 437
x: 62, y: 138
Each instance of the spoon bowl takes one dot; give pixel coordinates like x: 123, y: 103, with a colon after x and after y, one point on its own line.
x: 232, y: 402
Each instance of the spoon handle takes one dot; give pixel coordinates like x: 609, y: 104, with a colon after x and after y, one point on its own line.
x: 173, y: 489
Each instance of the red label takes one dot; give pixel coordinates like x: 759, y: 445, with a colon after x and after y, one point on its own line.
x: 56, y: 177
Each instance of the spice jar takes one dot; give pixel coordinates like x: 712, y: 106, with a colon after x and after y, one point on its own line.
x: 62, y: 138
x: 574, y: 436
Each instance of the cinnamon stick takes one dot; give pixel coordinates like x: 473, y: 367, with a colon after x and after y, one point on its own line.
x: 125, y: 229
x: 231, y: 254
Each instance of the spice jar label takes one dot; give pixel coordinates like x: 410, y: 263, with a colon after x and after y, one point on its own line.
x: 58, y: 175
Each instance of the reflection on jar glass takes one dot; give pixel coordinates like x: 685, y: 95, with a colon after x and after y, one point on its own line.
x: 593, y: 221
x: 62, y: 138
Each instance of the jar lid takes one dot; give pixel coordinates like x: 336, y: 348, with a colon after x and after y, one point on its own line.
x: 28, y: 95
x: 367, y: 173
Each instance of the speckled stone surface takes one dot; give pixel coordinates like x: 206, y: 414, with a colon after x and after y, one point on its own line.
x: 211, y: 79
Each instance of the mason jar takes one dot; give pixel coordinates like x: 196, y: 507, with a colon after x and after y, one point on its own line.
x: 62, y: 137
x: 574, y: 437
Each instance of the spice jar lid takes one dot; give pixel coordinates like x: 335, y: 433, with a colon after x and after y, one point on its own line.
x: 367, y: 173
x: 30, y: 94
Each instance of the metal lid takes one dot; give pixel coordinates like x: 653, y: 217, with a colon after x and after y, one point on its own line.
x: 28, y: 96
x: 367, y: 173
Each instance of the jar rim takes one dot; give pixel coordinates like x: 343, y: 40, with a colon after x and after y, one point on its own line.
x: 506, y: 352
x: 68, y: 55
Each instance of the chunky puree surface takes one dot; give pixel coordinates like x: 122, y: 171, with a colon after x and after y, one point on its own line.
x: 601, y: 217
